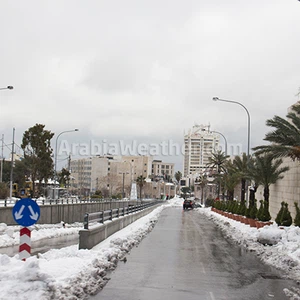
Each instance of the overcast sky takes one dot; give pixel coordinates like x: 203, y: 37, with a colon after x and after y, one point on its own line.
x: 147, y: 70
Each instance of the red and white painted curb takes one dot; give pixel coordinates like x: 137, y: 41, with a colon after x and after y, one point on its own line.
x: 25, y: 243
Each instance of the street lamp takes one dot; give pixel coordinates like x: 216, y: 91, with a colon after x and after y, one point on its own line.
x: 10, y: 87
x: 55, y: 158
x: 214, y: 131
x: 248, y: 146
x: 223, y: 138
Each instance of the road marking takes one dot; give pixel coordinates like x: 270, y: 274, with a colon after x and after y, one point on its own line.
x: 202, y: 266
x: 212, y: 297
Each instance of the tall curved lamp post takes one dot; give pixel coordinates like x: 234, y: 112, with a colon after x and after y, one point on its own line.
x: 9, y: 87
x: 225, y: 140
x: 55, y: 158
x: 230, y: 101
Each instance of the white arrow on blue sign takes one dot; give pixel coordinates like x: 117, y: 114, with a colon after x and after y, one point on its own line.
x: 26, y: 212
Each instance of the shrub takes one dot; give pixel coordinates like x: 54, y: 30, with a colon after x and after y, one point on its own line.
x: 209, y: 202
x: 231, y: 206
x: 297, y: 217
x: 266, y: 214
x: 286, y: 218
x: 4, y: 190
x: 253, y: 211
x: 247, y: 213
x: 278, y: 217
x: 260, y: 211
x: 235, y: 207
x: 243, y: 208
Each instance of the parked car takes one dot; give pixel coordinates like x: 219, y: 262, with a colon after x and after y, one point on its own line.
x: 188, y: 204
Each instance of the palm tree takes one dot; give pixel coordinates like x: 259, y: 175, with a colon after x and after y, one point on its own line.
x: 285, y: 138
x: 178, y: 176
x: 267, y: 171
x: 253, y: 170
x: 218, y: 162
x: 229, y: 180
x: 202, y: 180
x: 240, y: 165
x: 140, y: 182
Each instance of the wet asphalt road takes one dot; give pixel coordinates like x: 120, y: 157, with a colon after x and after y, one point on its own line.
x: 186, y: 257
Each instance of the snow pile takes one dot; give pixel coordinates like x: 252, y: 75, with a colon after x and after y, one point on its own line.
x: 10, y: 235
x: 70, y: 273
x: 276, y: 245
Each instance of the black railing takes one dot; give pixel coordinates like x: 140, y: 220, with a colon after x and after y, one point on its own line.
x: 105, y: 215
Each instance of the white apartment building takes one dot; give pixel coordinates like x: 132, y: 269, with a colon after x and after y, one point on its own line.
x: 199, y: 143
x: 161, y: 169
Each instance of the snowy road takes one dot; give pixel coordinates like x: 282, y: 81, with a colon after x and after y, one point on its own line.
x: 187, y: 257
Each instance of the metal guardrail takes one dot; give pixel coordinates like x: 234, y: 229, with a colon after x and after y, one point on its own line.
x: 10, y: 202
x: 104, y: 215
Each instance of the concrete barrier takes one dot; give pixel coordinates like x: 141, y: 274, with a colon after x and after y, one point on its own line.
x: 88, y: 238
x: 68, y: 213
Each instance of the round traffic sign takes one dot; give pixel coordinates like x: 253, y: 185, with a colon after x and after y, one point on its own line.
x: 26, y: 212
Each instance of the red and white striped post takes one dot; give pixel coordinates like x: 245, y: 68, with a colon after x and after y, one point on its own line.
x: 25, y: 243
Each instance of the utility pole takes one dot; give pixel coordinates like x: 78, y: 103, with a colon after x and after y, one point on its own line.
x: 12, y: 164
x: 2, y: 158
x: 69, y: 162
x: 123, y: 173
x: 69, y: 167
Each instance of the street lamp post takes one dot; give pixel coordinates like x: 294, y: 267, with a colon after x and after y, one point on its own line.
x: 55, y: 158
x: 9, y: 87
x: 123, y: 173
x: 223, y: 138
x: 248, y: 146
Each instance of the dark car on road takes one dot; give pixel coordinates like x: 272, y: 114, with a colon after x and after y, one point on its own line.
x: 188, y: 204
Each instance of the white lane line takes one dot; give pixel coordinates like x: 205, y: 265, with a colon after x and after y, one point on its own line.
x: 212, y: 297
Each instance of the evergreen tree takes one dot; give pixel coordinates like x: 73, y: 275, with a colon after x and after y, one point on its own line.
x: 266, y: 214
x: 253, y: 211
x: 286, y: 218
x: 279, y: 214
x: 297, y: 217
x: 260, y: 211
x: 243, y: 208
x: 38, y: 152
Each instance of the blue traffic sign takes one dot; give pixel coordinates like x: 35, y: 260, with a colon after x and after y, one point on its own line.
x: 26, y: 212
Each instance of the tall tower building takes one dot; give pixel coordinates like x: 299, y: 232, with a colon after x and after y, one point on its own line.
x: 199, y: 143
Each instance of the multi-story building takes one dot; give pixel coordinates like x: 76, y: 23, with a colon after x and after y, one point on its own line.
x: 111, y: 174
x: 162, y: 169
x: 199, y: 143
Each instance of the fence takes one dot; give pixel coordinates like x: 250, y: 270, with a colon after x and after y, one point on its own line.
x: 12, y: 202
x: 102, y: 216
